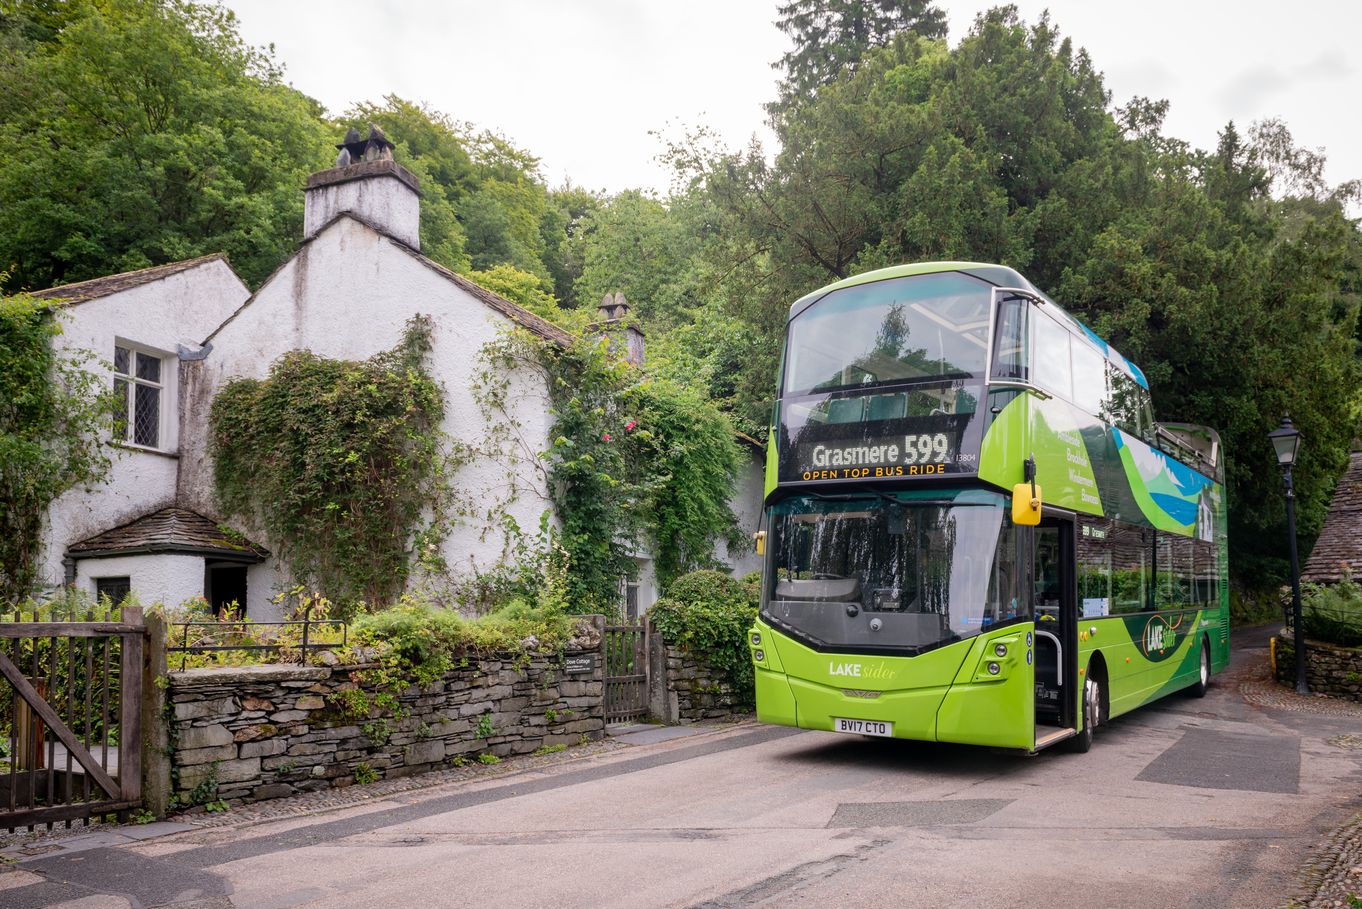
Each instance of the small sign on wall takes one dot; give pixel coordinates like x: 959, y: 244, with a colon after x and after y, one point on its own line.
x: 579, y: 663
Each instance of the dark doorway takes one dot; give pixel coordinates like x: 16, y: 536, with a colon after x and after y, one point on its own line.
x: 225, y: 589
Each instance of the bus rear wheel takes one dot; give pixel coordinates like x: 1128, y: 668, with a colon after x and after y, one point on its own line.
x: 1092, y: 713
x: 1203, y: 682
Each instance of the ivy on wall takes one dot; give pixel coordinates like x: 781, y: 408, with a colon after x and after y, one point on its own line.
x: 633, y: 464
x: 52, y: 414
x: 342, y: 464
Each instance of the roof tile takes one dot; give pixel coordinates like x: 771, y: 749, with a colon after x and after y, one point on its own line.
x: 1339, y: 547
x: 95, y: 288
x: 170, y: 530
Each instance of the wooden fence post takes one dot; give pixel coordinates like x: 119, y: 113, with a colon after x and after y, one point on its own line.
x: 130, y: 705
x: 155, y: 727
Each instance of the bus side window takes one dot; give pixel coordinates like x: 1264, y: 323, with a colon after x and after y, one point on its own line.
x: 1090, y: 377
x: 1175, y: 571
x: 1131, y: 552
x: 1054, y: 372
x: 1206, y: 569
x: 1146, y: 416
x: 1009, y: 339
x: 1093, y: 554
x: 1124, y: 406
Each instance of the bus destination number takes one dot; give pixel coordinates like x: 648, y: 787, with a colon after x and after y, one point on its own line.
x: 918, y: 454
x: 863, y: 727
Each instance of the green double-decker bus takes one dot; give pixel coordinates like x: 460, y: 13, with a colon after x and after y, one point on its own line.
x: 974, y: 530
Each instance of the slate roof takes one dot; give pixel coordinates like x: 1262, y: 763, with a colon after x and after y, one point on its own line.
x: 1339, y: 546
x: 84, y: 291
x: 170, y: 530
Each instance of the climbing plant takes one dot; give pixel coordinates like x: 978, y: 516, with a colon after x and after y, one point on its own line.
x: 686, y: 456
x: 342, y: 464
x: 632, y: 463
x: 52, y: 412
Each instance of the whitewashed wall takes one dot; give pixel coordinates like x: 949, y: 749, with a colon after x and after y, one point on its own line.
x: 167, y: 578
x: 179, y: 309
x: 748, y: 492
x: 348, y: 294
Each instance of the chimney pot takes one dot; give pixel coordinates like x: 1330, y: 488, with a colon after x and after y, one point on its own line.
x: 368, y: 183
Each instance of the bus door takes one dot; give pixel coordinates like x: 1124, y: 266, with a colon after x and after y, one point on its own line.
x: 1054, y: 602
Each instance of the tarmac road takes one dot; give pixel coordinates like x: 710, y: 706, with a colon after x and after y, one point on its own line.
x: 1201, y: 803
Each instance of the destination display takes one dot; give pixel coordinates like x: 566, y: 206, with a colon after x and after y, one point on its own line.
x: 816, y: 446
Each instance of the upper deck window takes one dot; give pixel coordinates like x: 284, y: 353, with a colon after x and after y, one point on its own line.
x: 1053, y: 370
x: 902, y: 329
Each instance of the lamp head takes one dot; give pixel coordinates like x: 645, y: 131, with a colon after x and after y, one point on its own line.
x: 1286, y: 440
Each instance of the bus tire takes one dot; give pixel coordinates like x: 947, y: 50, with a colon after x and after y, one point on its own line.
x: 1092, y: 713
x: 1203, y: 682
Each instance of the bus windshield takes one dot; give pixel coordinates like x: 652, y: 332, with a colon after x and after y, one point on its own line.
x: 902, y: 329
x: 892, y: 573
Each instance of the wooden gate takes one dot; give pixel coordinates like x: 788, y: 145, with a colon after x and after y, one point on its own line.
x: 70, y: 717
x: 626, y: 673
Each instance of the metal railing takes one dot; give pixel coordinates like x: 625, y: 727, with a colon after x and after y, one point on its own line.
x: 247, y: 626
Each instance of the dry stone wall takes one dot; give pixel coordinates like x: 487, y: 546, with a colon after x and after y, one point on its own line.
x: 690, y: 689
x: 259, y: 732
x: 1329, y: 670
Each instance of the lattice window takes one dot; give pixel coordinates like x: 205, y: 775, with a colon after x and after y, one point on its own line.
x: 116, y: 589
x: 140, y: 391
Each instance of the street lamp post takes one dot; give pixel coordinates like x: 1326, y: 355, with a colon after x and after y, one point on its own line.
x: 1286, y: 440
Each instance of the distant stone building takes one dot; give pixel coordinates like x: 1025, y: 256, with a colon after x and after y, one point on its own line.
x: 176, y: 334
x: 1338, y: 551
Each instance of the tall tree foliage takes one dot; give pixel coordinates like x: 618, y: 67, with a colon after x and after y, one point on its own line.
x: 1230, y: 276
x: 832, y: 36
x: 139, y: 132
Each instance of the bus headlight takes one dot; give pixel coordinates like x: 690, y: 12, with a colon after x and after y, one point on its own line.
x: 756, y: 639
x: 994, y: 668
x: 1000, y: 650
x: 760, y: 656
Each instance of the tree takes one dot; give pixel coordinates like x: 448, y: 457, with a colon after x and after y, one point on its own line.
x: 562, y: 226
x: 1231, y: 277
x: 633, y: 243
x: 832, y: 36
x: 142, y: 132
x: 51, y: 415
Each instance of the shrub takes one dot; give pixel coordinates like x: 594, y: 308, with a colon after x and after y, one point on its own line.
x: 1333, y: 613
x: 709, y: 614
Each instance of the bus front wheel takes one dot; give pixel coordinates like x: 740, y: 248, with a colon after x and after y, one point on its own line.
x: 1092, y: 713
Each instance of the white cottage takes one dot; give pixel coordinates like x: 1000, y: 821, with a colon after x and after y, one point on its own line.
x: 176, y: 334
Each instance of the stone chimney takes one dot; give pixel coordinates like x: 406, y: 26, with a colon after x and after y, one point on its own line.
x: 367, y: 182
x: 618, y: 328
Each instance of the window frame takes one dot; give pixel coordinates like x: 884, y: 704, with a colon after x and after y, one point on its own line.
x: 118, y: 580
x: 164, y: 400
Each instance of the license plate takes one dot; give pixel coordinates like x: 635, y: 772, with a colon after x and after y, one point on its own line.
x: 863, y: 727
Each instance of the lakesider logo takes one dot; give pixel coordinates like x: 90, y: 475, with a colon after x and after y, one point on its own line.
x: 878, y: 672
x: 1160, y: 637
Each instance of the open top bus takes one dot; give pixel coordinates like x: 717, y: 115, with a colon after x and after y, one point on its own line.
x: 975, y: 531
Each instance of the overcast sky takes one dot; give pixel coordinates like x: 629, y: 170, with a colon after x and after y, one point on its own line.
x: 583, y: 83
